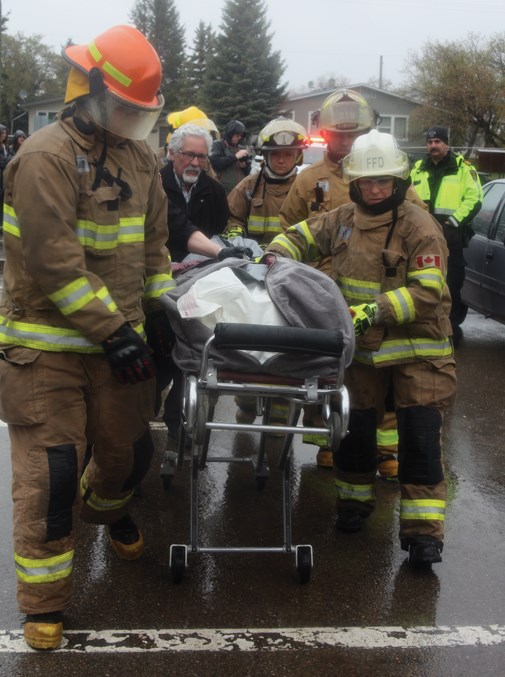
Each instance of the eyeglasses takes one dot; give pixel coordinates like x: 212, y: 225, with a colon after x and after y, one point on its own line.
x: 381, y: 182
x: 189, y: 156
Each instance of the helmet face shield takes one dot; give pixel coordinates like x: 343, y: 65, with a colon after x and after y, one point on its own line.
x: 122, y: 118
x: 346, y: 111
x: 347, y: 116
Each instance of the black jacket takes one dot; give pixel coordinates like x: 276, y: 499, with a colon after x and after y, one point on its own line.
x: 207, y: 210
x: 229, y: 170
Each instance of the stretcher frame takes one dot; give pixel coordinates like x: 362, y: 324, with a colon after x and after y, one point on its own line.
x: 201, y: 394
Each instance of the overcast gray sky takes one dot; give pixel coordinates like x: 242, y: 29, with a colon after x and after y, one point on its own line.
x: 316, y: 38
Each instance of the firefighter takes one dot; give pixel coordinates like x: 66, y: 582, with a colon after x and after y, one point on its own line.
x: 83, y: 257
x: 451, y: 188
x: 254, y: 213
x: 344, y: 116
x: 389, y: 258
x: 255, y: 202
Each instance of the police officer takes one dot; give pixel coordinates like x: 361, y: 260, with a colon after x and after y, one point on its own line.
x: 83, y: 256
x: 389, y: 259
x: 451, y: 188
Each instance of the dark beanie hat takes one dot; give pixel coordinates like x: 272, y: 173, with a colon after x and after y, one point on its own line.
x: 436, y: 132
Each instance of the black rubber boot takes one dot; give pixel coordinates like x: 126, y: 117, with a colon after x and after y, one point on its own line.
x: 350, y: 521
x: 126, y: 538
x: 424, y: 552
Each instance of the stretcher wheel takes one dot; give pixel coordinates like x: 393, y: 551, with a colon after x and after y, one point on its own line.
x: 335, y: 425
x: 261, y: 480
x: 168, y: 467
x: 304, y: 563
x: 178, y: 561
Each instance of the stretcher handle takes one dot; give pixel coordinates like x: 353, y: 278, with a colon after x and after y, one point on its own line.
x: 234, y: 336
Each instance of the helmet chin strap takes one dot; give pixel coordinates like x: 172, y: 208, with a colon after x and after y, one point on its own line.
x: 277, y: 178
x: 386, y: 205
x: 336, y: 158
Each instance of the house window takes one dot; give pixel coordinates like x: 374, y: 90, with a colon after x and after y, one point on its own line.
x: 385, y: 124
x: 313, y: 120
x: 400, y: 128
x: 395, y: 125
x: 43, y: 118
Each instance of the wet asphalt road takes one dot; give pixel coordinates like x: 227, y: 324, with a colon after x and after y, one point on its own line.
x: 448, y: 622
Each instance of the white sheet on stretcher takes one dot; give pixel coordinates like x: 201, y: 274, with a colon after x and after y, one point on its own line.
x: 222, y: 297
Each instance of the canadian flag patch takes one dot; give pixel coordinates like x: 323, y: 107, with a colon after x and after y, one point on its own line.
x: 428, y: 261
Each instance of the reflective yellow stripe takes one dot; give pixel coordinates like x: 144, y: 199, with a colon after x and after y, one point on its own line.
x: 422, y: 509
x: 116, y: 74
x: 106, y: 298
x: 279, y: 410
x: 431, y: 278
x: 311, y: 249
x: 10, y: 223
x: 73, y: 296
x: 354, y: 492
x: 108, y: 67
x: 102, y: 504
x: 257, y: 225
x: 294, y: 252
x: 44, y: 570
x: 95, y: 52
x: 387, y: 438
x: 318, y: 440
x: 403, y: 305
x: 44, y: 337
x: 156, y: 285
x: 104, y: 237
x: 358, y: 290
x: 405, y: 349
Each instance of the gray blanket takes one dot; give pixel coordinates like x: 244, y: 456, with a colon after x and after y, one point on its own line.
x: 304, y: 296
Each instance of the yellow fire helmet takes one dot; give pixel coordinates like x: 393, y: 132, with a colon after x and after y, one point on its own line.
x: 194, y: 115
x: 284, y: 134
x: 346, y: 111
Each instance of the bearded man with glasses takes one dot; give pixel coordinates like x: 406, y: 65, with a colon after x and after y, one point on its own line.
x: 198, y: 208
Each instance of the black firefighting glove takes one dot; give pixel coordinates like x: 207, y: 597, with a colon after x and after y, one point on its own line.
x: 160, y: 337
x: 128, y: 356
x: 235, y: 252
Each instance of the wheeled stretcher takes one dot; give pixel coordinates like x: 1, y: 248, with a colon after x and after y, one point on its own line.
x: 202, y: 391
x: 299, y: 355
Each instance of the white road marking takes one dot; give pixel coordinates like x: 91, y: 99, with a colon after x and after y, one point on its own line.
x: 267, y: 639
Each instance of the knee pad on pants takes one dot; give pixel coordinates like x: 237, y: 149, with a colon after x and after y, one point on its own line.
x: 62, y: 462
x: 143, y: 450
x: 358, y: 451
x: 419, y: 445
